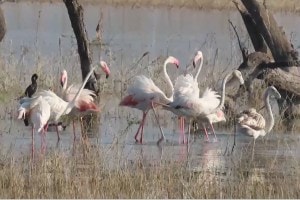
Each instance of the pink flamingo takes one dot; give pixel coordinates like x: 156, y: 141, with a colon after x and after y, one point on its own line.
x: 85, y: 103
x: 189, y: 104
x: 144, y: 95
x: 46, y: 106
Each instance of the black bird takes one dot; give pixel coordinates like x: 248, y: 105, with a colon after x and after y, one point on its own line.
x: 30, y: 90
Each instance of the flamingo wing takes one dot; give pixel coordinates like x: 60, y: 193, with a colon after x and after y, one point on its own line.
x: 254, y: 120
x: 86, y: 95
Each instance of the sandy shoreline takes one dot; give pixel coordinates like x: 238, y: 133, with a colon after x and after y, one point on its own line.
x: 276, y: 5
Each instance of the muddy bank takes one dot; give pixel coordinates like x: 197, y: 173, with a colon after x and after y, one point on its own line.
x: 276, y: 5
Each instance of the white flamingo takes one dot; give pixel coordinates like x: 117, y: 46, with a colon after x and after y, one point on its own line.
x: 58, y: 106
x: 144, y: 95
x: 218, y: 114
x: 198, y: 56
x: 189, y: 104
x: 252, y: 123
x: 85, y: 103
x: 37, y: 111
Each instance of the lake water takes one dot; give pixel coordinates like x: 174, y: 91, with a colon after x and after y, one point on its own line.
x: 128, y: 33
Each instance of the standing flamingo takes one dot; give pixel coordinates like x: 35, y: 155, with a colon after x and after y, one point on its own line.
x: 58, y: 106
x: 85, y: 103
x: 252, y: 123
x: 218, y: 114
x: 143, y: 94
x: 189, y: 104
x: 198, y: 56
x: 37, y: 111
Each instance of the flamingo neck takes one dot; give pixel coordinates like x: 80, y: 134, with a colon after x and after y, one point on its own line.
x: 269, y: 111
x: 221, y: 104
x: 199, y: 69
x: 167, y: 77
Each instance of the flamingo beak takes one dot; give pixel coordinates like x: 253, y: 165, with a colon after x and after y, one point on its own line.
x: 107, y: 75
x: 194, y: 64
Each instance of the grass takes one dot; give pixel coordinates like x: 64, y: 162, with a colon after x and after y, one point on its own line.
x: 87, y: 175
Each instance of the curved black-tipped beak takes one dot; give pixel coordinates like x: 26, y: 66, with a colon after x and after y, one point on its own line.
x: 107, y: 75
x: 61, y: 83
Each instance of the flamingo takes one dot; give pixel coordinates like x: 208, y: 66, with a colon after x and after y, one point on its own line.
x: 57, y: 105
x: 37, y: 111
x: 85, y: 103
x: 252, y: 123
x: 189, y: 104
x: 143, y: 94
x: 198, y: 56
x: 218, y: 115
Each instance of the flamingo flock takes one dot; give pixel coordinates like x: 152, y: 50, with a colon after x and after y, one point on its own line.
x: 40, y: 108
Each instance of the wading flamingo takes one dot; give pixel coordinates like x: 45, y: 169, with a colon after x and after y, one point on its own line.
x: 85, y: 103
x: 58, y: 106
x: 189, y: 104
x: 253, y: 124
x: 37, y: 111
x: 218, y: 115
x: 144, y: 95
x: 198, y: 56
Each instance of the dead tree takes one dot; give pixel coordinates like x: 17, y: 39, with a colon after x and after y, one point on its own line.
x: 2, y: 25
x: 75, y: 11
x: 275, y: 60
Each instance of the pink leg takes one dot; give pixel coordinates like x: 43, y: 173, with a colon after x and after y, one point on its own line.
x: 213, y: 130
x: 180, y: 130
x: 43, y: 142
x: 205, y: 132
x: 141, y: 124
x: 157, y: 120
x: 183, y: 131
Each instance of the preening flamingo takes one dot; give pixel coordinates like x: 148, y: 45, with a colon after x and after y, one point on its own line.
x: 58, y: 106
x: 85, y: 103
x: 143, y: 94
x: 253, y: 124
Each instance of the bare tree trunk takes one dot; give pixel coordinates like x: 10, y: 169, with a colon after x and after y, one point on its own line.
x: 75, y: 11
x: 278, y: 65
x: 2, y: 25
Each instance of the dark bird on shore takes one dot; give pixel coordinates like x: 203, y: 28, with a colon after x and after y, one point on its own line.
x: 30, y: 90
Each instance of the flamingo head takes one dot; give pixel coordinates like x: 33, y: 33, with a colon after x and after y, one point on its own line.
x: 173, y: 60
x: 105, y: 68
x: 34, y: 77
x: 273, y: 92
x: 239, y: 76
x: 63, y: 78
x: 197, y: 57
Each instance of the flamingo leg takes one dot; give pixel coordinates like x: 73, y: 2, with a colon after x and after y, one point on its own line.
x: 207, y: 138
x: 213, y: 130
x: 140, y: 126
x: 180, y: 130
x: 32, y: 143
x: 74, y: 129
x: 56, y: 127
x: 183, y: 131
x: 143, y: 123
x: 161, y: 131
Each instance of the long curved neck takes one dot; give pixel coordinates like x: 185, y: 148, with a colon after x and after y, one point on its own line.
x: 71, y: 103
x: 167, y: 77
x: 269, y: 111
x: 221, y: 104
x: 199, y: 69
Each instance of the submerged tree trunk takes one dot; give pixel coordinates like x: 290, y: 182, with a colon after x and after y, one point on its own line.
x: 2, y: 25
x: 275, y: 61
